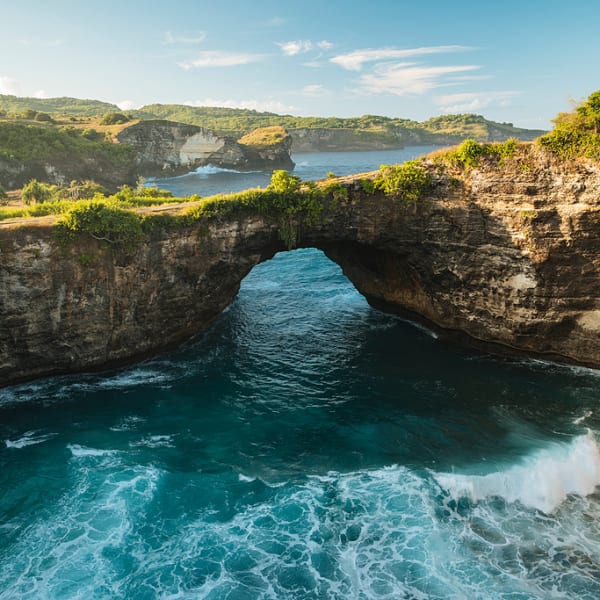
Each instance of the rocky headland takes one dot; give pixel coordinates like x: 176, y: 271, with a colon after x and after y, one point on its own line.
x: 505, y: 252
x: 169, y: 148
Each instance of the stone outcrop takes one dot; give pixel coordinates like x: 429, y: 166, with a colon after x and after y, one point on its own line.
x: 506, y: 253
x: 168, y: 148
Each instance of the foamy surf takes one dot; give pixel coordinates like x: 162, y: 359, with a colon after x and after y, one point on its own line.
x: 78, y: 451
x: 30, y: 438
x: 543, y: 480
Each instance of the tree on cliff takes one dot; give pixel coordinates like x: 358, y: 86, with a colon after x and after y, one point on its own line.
x: 34, y: 191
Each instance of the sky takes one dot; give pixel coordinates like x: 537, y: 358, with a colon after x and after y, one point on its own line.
x: 521, y: 62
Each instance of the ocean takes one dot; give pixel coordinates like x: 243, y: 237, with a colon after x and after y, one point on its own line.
x: 304, y: 446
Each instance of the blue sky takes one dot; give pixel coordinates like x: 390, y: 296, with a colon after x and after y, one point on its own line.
x: 517, y: 61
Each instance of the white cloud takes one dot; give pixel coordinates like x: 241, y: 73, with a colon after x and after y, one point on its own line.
x: 476, y: 101
x: 354, y: 61
x: 258, y: 105
x: 217, y: 58
x: 41, y: 94
x: 197, y: 38
x: 127, y: 105
x: 315, y: 91
x: 295, y: 47
x: 409, y: 78
x: 8, y: 86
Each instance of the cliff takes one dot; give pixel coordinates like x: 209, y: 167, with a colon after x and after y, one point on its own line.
x: 506, y: 252
x: 59, y: 155
x: 167, y: 148
x: 441, y: 131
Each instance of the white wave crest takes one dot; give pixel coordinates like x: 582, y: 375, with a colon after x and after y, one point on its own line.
x: 543, y: 481
x: 29, y: 439
x: 83, y: 451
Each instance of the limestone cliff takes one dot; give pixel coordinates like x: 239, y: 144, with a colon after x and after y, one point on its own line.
x: 507, y: 252
x: 323, y: 139
x: 165, y: 148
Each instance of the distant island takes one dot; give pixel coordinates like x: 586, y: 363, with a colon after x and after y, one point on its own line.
x: 57, y: 140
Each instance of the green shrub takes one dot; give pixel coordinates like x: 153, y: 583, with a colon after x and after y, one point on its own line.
x: 35, y: 191
x: 408, y: 181
x: 368, y: 186
x: 28, y: 114
x: 576, y: 134
x: 92, y: 134
x: 469, y: 152
x: 3, y: 194
x: 153, y: 192
x: 114, y: 118
x: 284, y: 183
x: 101, y: 221
x: 44, y: 118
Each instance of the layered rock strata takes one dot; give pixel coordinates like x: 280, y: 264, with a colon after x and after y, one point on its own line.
x: 505, y: 253
x: 167, y: 148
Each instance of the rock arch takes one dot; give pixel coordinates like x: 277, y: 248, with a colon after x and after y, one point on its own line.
x: 502, y: 254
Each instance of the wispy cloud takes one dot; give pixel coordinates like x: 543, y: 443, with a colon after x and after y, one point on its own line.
x: 475, y: 101
x: 41, y: 94
x: 354, y: 61
x: 294, y: 47
x: 315, y: 91
x: 39, y: 43
x: 258, y: 105
x: 403, y: 79
x: 196, y: 38
x: 218, y: 58
x: 8, y: 86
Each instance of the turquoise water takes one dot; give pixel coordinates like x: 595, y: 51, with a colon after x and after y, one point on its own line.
x: 305, y: 446
x: 210, y: 180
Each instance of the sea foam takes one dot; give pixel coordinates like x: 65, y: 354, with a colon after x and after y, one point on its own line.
x: 542, y: 481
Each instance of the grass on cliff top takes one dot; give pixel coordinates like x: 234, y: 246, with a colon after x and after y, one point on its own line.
x: 287, y: 202
x: 265, y: 137
x: 42, y: 199
x: 469, y: 153
x: 576, y: 134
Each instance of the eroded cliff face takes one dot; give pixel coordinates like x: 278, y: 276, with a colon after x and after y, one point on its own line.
x: 166, y: 147
x: 505, y: 253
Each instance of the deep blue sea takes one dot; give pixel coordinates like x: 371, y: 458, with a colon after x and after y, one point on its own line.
x: 305, y: 446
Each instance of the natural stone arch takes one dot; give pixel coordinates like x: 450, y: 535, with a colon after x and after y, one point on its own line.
x: 502, y: 254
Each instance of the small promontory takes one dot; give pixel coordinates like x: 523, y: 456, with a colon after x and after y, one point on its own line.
x: 168, y: 148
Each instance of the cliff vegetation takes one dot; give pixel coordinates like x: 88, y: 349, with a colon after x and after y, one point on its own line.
x: 577, y: 133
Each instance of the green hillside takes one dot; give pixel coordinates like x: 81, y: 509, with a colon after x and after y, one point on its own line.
x: 14, y: 105
x: 237, y: 122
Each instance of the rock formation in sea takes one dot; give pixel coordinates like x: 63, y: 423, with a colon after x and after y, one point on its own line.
x: 505, y: 252
x: 168, y: 148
